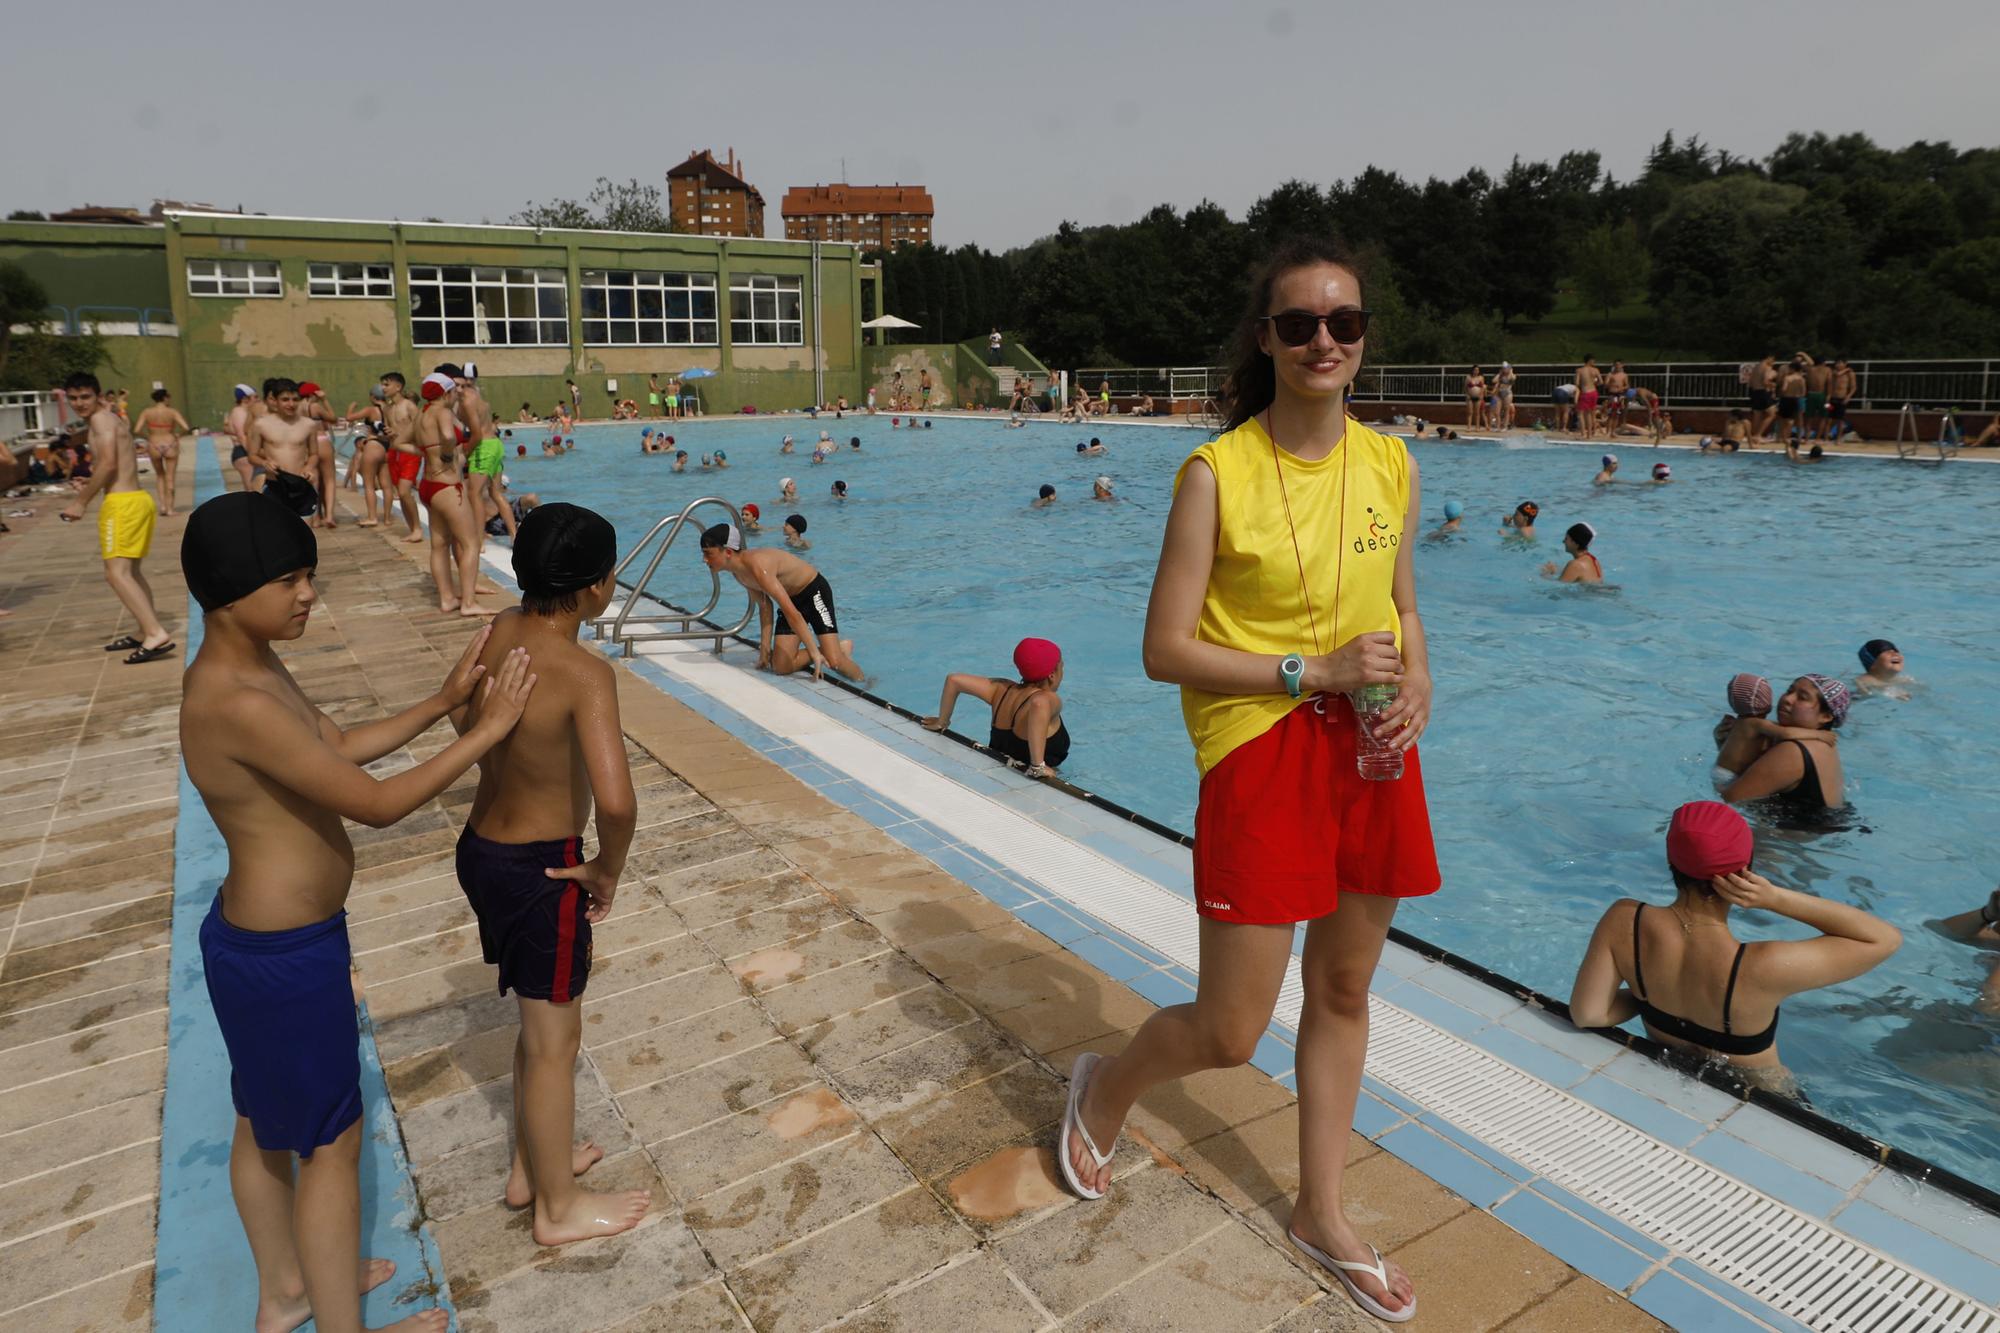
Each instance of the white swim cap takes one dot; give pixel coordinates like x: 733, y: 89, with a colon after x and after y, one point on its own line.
x: 787, y: 440
x: 1105, y: 482
x: 784, y: 482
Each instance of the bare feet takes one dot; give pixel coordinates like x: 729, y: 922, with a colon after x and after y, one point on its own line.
x: 491, y: 589
x: 283, y: 1314
x: 592, y: 1215
x: 477, y: 610
x: 423, y: 1321
x: 416, y: 537
x: 447, y: 607
x: 520, y: 1193
x: 1342, y: 1242
x: 367, y: 523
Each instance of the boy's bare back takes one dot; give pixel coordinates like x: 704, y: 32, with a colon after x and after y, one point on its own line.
x: 536, y: 785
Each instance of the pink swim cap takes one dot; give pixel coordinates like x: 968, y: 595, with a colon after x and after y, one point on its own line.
x: 1708, y: 838
x: 1749, y: 696
x: 1036, y: 659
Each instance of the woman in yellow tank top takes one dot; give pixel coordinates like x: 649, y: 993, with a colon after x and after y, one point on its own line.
x: 1286, y: 581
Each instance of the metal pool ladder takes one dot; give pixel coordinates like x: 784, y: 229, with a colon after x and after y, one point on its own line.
x: 627, y: 628
x: 1909, y: 435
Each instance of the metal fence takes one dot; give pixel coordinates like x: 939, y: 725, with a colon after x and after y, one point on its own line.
x: 1971, y: 386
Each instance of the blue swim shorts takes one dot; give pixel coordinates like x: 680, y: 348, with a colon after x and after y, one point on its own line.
x: 531, y: 927
x: 285, y: 1004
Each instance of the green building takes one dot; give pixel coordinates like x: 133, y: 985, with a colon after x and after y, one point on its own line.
x: 203, y: 301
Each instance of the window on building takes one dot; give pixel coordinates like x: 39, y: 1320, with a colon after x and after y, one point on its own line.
x: 622, y: 309
x: 453, y: 305
x: 350, y: 280
x: 764, y: 309
x: 234, y: 277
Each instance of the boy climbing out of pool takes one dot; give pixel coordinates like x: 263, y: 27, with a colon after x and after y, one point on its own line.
x: 278, y: 777
x: 810, y: 635
x: 521, y: 860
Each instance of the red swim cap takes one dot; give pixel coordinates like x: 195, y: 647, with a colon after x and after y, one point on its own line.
x: 752, y: 511
x: 1036, y: 659
x: 309, y: 390
x: 1708, y: 838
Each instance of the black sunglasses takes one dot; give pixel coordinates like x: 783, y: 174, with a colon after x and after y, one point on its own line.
x: 1296, y: 328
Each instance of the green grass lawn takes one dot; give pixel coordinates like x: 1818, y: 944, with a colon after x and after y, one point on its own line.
x: 1570, y: 330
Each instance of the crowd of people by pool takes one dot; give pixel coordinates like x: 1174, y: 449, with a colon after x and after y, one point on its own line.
x: 1304, y: 702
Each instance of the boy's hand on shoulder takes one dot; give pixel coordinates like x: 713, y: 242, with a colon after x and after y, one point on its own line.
x: 505, y: 697
x: 598, y: 881
x: 458, y: 686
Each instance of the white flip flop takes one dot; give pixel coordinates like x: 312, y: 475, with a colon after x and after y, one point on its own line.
x: 1072, y: 1123
x: 1340, y: 1268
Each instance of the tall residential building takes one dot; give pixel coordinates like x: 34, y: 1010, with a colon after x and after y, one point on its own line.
x: 710, y: 198
x: 883, y: 217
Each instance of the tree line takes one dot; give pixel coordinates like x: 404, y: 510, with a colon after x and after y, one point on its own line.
x: 1833, y: 244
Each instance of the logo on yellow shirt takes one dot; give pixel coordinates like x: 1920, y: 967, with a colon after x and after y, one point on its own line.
x: 1380, y: 536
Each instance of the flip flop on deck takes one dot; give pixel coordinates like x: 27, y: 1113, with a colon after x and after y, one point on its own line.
x: 1340, y: 1268
x: 150, y: 654
x: 1072, y: 1123
x: 122, y: 645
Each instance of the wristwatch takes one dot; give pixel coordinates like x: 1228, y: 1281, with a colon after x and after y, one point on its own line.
x: 1292, y: 670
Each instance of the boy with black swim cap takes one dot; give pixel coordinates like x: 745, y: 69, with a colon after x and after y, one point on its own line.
x: 278, y: 777
x: 802, y: 595
x: 795, y: 532
x: 521, y: 861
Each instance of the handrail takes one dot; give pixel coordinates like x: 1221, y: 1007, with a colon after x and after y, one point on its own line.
x: 671, y: 524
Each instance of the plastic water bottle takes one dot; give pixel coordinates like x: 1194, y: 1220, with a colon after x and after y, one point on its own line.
x: 1375, y: 759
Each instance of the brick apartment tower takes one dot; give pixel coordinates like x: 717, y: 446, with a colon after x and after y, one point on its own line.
x: 710, y: 198
x: 880, y: 217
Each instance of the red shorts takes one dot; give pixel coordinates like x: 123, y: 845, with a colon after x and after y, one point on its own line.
x: 1285, y: 824
x: 427, y: 489
x: 1588, y: 402
x: 405, y: 467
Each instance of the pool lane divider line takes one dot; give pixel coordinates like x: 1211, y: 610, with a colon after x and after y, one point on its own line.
x: 1845, y: 1271
x: 203, y: 1277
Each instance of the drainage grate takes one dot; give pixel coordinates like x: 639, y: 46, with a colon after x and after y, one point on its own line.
x: 1794, y: 1263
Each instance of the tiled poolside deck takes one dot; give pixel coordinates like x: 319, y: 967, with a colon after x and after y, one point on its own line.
x: 835, y: 1064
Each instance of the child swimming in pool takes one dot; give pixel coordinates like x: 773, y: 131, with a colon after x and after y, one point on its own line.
x: 795, y: 532
x: 1881, y: 670
x: 1454, y: 515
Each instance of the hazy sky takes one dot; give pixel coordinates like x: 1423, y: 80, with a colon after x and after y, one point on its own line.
x: 1016, y: 116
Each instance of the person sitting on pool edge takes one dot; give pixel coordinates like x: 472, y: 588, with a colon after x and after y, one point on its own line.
x: 1799, y: 771
x: 1583, y: 567
x: 795, y: 532
x: 1980, y: 928
x: 810, y: 635
x: 1045, y: 497
x: 1027, y: 727
x: 1522, y: 521
x: 1881, y: 669
x: 1609, y: 471
x: 1698, y: 989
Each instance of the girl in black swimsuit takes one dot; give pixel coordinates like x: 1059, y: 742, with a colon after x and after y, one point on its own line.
x: 1028, y: 727
x: 1663, y: 966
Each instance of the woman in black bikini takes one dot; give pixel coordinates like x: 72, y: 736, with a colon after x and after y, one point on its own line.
x: 1800, y: 777
x: 1027, y: 714
x: 1699, y: 990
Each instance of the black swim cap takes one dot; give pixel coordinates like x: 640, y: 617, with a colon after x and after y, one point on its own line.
x: 721, y: 535
x: 563, y: 548
x: 1581, y: 533
x: 1080, y: 446
x: 1873, y: 649
x: 237, y: 543
x: 1046, y: 491
x: 796, y: 522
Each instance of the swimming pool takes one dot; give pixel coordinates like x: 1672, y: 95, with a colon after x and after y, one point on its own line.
x: 1568, y: 722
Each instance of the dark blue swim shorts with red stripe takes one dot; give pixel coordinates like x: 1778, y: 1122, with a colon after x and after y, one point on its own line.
x: 532, y: 927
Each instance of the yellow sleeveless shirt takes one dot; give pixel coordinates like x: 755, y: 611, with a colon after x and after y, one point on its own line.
x: 1348, y: 510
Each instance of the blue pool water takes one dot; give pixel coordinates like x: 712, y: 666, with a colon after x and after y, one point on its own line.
x: 1568, y: 722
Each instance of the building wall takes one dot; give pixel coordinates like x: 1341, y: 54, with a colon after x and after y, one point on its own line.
x: 347, y: 343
